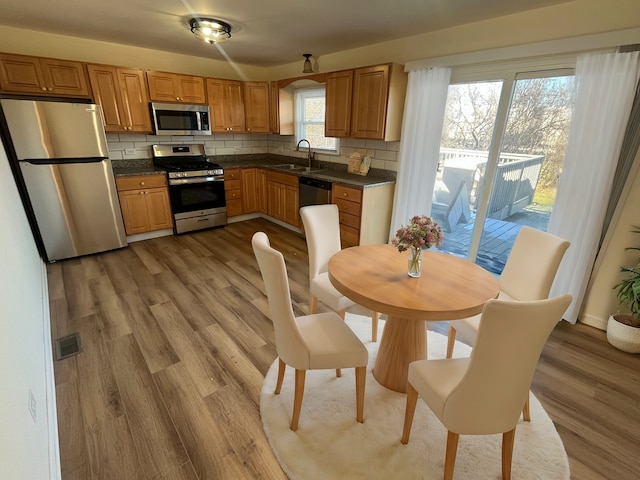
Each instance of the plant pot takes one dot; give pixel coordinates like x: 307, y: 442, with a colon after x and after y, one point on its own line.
x: 622, y: 336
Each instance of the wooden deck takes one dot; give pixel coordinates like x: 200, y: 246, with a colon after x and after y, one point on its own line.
x: 497, y: 239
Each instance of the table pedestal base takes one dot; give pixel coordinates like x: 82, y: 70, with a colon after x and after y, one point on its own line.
x: 403, y: 341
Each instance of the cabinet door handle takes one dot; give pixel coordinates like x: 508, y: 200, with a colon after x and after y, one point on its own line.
x: 141, y: 183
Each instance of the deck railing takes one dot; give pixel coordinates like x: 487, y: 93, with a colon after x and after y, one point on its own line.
x: 513, y: 189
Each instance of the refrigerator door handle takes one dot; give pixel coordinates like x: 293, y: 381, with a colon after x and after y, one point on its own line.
x: 62, y: 161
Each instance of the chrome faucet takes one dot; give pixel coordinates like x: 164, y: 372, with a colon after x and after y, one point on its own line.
x: 309, y: 154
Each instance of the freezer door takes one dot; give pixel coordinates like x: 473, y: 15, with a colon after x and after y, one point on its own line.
x: 76, y: 207
x: 61, y: 130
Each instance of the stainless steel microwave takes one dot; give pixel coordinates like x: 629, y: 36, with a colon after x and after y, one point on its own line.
x: 180, y: 119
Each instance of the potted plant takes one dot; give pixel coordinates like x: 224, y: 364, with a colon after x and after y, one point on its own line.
x: 623, y: 329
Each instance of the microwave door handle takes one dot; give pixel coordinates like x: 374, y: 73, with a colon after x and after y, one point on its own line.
x: 199, y: 120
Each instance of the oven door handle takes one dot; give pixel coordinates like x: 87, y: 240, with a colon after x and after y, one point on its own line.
x: 187, y: 181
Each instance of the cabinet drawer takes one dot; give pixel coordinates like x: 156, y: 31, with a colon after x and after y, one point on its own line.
x: 232, y: 184
x: 140, y: 181
x: 234, y: 207
x: 232, y: 174
x: 347, y: 193
x: 283, y: 178
x: 349, y: 236
x: 344, y: 206
x: 349, y: 220
x: 233, y: 194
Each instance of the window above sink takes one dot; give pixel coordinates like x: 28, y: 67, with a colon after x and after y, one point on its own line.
x: 309, y: 119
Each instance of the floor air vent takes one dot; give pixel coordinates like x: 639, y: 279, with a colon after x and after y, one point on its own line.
x: 68, y: 346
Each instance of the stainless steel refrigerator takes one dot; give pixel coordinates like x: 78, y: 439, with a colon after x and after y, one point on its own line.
x: 60, y: 150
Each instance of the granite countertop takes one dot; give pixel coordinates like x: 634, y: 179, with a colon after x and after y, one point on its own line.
x: 333, y: 172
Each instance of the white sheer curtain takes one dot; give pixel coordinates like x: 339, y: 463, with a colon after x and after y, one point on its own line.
x: 420, y: 143
x: 605, y: 88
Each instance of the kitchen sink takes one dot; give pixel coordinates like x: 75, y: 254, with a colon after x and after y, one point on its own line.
x: 292, y: 167
x: 289, y: 166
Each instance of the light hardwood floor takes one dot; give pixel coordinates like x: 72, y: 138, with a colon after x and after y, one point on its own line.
x: 176, y: 342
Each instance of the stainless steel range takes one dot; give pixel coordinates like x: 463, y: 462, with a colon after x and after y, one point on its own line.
x: 196, y: 186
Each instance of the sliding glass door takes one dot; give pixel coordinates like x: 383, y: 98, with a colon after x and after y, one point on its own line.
x: 501, y: 156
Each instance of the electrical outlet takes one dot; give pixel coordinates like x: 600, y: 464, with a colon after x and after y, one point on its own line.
x: 129, y: 151
x: 32, y: 405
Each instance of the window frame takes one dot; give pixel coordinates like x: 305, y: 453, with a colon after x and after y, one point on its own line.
x: 300, y: 94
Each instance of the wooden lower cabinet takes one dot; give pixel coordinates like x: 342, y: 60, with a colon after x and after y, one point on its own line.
x: 365, y: 214
x: 233, y: 191
x: 245, y: 191
x: 249, y: 190
x: 283, y: 197
x: 145, y: 205
x: 261, y: 190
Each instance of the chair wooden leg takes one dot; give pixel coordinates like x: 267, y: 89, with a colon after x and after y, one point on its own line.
x: 342, y: 313
x: 374, y: 326
x: 450, y: 456
x: 297, y: 398
x: 361, y: 375
x: 451, y: 341
x: 507, y: 453
x: 281, y: 368
x: 412, y: 398
x: 338, y: 372
x: 526, y: 413
x: 313, y: 304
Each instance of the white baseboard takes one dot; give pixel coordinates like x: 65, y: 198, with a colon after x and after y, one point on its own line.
x: 149, y: 235
x: 250, y: 216
x: 593, y: 321
x: 55, y: 472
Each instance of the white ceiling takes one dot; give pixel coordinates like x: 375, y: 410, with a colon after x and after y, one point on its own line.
x: 265, y: 32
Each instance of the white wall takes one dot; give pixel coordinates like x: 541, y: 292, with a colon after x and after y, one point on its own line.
x: 28, y: 447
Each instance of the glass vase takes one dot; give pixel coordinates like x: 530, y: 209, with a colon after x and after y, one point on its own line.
x: 415, y: 262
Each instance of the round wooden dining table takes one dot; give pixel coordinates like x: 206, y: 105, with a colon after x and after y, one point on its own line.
x: 375, y: 276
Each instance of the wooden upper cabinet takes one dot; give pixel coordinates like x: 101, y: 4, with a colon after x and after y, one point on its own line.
x: 133, y: 89
x: 366, y: 102
x: 173, y: 87
x: 225, y: 98
x: 122, y: 93
x: 256, y: 107
x: 274, y: 110
x: 339, y: 86
x: 369, y: 107
x: 42, y: 76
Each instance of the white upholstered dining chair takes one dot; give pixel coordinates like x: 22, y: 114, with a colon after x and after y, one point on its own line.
x: 483, y: 394
x: 311, y: 342
x: 527, y: 275
x: 322, y: 230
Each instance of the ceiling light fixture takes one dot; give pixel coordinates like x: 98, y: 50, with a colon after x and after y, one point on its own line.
x: 210, y: 30
x: 308, y: 68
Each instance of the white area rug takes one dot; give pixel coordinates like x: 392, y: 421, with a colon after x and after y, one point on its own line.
x: 330, y: 444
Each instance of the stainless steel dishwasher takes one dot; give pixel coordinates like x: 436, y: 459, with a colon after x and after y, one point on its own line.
x: 314, y: 191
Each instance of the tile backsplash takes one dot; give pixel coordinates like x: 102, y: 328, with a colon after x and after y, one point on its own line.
x: 384, y: 155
